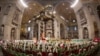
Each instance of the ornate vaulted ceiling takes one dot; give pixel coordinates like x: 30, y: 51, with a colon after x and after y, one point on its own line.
x: 52, y: 2
x: 62, y: 8
x: 33, y: 9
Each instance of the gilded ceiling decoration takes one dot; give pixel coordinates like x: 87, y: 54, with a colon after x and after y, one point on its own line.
x: 62, y: 8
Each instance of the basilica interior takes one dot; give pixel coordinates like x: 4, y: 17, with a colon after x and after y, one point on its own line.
x: 49, y: 27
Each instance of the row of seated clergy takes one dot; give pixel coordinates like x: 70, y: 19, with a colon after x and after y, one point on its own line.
x: 51, y: 50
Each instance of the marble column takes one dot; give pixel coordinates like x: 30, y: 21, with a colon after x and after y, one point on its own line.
x: 39, y: 30
x: 7, y: 32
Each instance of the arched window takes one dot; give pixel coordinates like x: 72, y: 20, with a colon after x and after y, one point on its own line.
x: 74, y: 21
x: 75, y: 28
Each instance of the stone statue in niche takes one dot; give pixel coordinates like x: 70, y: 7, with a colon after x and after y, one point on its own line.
x: 1, y: 29
x: 90, y: 10
x: 85, y: 33
x: 13, y: 31
x: 82, y: 17
x: 16, y: 16
x: 81, y: 13
x: 7, y: 9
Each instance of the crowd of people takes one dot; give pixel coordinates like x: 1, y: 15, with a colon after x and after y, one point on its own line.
x: 48, y: 48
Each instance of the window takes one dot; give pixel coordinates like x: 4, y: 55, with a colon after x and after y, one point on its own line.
x: 68, y: 28
x: 75, y: 28
x: 74, y: 20
x: 29, y: 28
